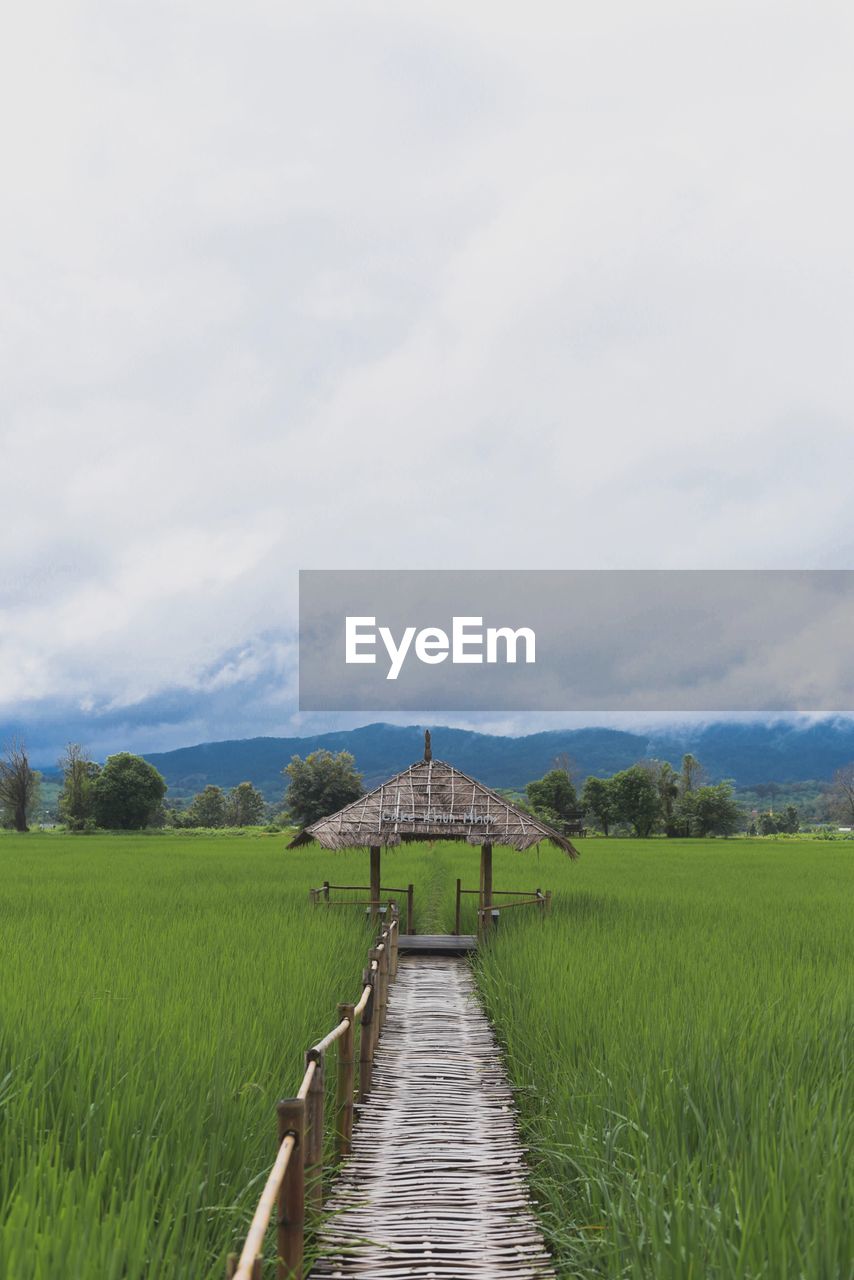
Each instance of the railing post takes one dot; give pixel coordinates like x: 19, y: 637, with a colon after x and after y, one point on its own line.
x: 366, y: 1053
x: 541, y: 901
x: 326, y: 890
x: 410, y: 911
x: 291, y: 1219
x: 344, y: 1096
x: 457, y: 912
x: 314, y: 1107
x: 395, y: 940
x: 312, y: 897
x: 385, y: 969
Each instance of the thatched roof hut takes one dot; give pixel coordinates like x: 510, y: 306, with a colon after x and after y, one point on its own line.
x: 431, y: 800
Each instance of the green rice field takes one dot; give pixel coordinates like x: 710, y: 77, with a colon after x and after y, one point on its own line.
x: 677, y: 1033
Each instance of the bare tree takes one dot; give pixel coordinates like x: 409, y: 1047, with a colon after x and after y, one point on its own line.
x: 841, y: 794
x: 19, y: 785
x: 79, y: 771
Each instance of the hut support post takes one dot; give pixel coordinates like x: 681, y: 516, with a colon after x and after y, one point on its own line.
x: 486, y: 886
x: 457, y: 912
x: 375, y: 881
x: 410, y: 911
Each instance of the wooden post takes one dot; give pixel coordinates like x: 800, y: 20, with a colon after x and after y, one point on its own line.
x: 457, y: 912
x: 395, y: 943
x: 291, y: 1220
x: 344, y: 1096
x: 486, y: 884
x: 375, y: 881
x: 385, y: 970
x: 314, y: 1107
x: 366, y: 1056
x: 312, y: 899
x: 326, y: 890
x: 410, y: 912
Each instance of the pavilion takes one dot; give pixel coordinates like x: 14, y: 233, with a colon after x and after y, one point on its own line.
x: 431, y: 800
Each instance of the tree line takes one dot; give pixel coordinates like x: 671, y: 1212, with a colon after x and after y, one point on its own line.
x: 652, y: 797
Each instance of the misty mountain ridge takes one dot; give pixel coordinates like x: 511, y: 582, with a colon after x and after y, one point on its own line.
x: 749, y: 754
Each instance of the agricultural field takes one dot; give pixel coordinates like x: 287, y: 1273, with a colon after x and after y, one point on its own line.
x: 676, y: 1033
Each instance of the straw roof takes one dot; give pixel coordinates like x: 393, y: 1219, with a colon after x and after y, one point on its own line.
x: 431, y: 800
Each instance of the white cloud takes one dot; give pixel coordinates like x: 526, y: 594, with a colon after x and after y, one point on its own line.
x: 478, y: 286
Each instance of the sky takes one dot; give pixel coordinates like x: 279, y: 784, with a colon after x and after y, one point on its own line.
x: 437, y: 286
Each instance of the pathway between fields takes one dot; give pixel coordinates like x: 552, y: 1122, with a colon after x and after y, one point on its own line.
x: 435, y: 1185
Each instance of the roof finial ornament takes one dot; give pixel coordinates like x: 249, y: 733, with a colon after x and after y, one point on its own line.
x: 428, y: 750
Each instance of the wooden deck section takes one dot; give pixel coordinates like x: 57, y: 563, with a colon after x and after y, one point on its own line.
x: 435, y: 1185
x: 438, y: 943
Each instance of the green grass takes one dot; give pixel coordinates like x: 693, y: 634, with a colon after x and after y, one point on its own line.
x: 157, y: 995
x: 676, y: 1033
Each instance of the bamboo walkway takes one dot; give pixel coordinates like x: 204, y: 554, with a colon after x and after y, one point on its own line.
x: 434, y: 1187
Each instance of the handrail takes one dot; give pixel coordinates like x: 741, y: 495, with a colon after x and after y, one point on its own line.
x: 291, y: 1182
x: 262, y: 1215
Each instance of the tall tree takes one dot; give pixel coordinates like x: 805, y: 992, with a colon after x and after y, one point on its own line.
x: 668, y: 792
x: 207, y: 809
x: 78, y: 772
x: 709, y: 810
x: 320, y: 784
x: 127, y: 793
x: 635, y: 797
x: 19, y: 786
x: 553, y: 797
x: 841, y: 794
x: 244, y: 806
x: 597, y: 800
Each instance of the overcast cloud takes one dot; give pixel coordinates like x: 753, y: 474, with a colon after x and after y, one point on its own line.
x: 480, y: 286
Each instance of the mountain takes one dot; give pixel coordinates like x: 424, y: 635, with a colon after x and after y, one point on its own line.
x: 750, y: 754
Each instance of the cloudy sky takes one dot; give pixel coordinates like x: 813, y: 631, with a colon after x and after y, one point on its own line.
x: 431, y: 286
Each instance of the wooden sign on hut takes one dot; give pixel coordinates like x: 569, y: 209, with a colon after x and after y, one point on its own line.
x: 431, y: 800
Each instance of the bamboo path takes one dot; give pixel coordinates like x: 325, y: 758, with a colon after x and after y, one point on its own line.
x: 434, y: 1187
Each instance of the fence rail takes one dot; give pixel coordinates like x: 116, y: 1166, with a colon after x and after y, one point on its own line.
x: 487, y: 910
x: 321, y: 895
x: 295, y: 1181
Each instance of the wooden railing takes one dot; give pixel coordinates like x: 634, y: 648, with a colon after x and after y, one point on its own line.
x: 321, y: 895
x: 296, y: 1178
x: 523, y: 898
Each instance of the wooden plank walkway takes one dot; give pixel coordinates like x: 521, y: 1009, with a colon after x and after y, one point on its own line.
x: 452, y: 943
x: 434, y: 1187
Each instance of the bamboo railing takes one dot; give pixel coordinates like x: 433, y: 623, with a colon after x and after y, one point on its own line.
x: 295, y: 1181
x: 321, y: 895
x: 524, y: 898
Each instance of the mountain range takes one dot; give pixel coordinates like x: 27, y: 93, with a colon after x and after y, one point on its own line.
x: 749, y: 754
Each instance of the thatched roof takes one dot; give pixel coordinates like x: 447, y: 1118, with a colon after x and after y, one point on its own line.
x: 431, y: 800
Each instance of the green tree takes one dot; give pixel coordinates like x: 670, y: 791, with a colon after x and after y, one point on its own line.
x: 245, y: 806
x: 19, y: 787
x: 552, y: 797
x: 597, y: 800
x: 767, y: 824
x: 75, y: 800
x: 635, y: 799
x: 207, y: 809
x: 667, y: 782
x: 790, y: 822
x: 709, y: 810
x: 320, y: 784
x: 127, y: 793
